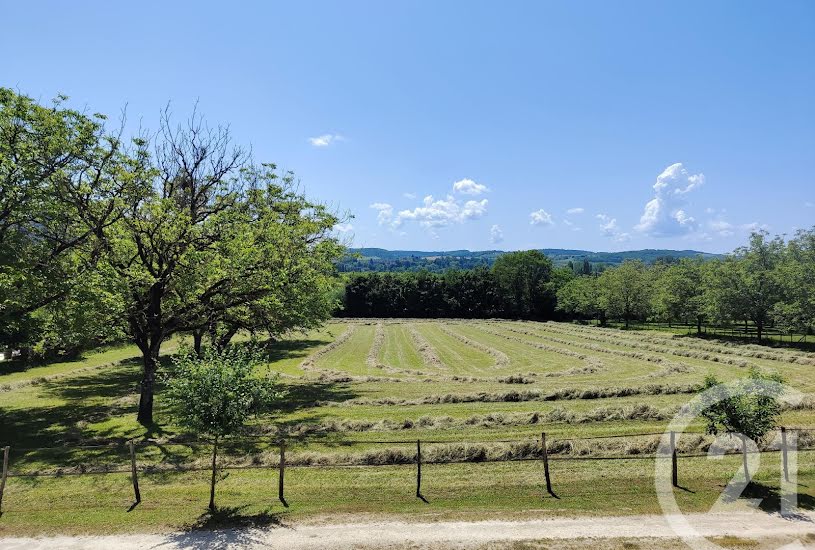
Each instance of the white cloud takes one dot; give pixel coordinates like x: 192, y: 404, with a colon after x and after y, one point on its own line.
x: 578, y: 210
x: 384, y: 212
x: 410, y: 196
x: 325, y: 140
x: 442, y: 212
x: 496, y: 235
x: 344, y: 227
x: 541, y: 217
x: 469, y: 187
x: 664, y: 215
x: 722, y: 228
x: 609, y: 228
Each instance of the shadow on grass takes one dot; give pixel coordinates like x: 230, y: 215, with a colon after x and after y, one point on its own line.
x: 771, y: 499
x: 291, y: 349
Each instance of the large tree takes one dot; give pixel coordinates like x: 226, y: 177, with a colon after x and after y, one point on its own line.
x: 626, y: 291
x: 51, y: 160
x: 747, y: 286
x: 679, y: 292
x: 582, y: 297
x: 522, y: 279
x: 195, y: 242
x: 796, y: 310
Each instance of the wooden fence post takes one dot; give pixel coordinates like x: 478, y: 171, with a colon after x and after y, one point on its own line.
x: 282, y: 474
x: 133, y: 475
x: 546, y: 464
x: 418, y: 468
x: 784, y: 453
x: 4, y: 475
x: 674, y: 469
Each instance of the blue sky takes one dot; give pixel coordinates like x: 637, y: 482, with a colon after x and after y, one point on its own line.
x: 445, y: 125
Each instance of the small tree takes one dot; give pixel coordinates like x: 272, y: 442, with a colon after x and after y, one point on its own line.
x: 215, y: 395
x: 750, y: 407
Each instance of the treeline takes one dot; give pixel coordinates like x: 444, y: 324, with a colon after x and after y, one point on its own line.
x: 104, y: 237
x: 518, y: 285
x: 770, y: 282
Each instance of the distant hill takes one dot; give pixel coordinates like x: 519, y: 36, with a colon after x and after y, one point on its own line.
x: 380, y: 259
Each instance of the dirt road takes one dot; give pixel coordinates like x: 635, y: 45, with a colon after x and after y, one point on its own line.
x: 751, y: 525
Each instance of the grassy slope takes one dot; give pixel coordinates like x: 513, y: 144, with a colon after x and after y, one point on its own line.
x: 99, y: 403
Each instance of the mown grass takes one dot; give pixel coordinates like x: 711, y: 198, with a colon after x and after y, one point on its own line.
x: 339, y: 404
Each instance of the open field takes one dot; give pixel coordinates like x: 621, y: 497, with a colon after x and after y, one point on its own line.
x: 359, y: 395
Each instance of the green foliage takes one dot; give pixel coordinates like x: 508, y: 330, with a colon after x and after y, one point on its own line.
x: 747, y: 285
x: 749, y: 406
x: 523, y: 281
x: 626, y: 291
x: 216, y: 394
x: 796, y: 272
x: 47, y: 262
x: 581, y: 297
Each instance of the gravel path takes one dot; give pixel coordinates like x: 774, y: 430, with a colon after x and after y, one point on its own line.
x: 390, y: 534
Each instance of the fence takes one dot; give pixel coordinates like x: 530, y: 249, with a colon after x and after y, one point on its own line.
x: 546, y: 450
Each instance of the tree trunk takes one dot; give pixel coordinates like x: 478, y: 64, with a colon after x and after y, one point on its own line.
x: 224, y: 339
x: 698, y: 325
x: 759, y: 329
x: 744, y: 458
x: 150, y: 359
x: 197, y: 336
x: 214, y: 469
x: 626, y: 322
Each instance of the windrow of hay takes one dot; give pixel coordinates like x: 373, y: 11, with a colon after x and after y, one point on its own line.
x: 501, y: 358
x: 599, y: 349
x: 592, y: 366
x: 645, y: 346
x: 340, y: 340
x: 750, y: 351
x: 429, y: 356
x: 376, y: 347
x: 520, y: 395
x: 330, y: 376
x: 485, y: 327
x: 557, y: 415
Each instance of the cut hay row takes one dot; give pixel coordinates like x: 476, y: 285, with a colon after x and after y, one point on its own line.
x: 743, y: 363
x: 601, y: 349
x: 545, y: 347
x: 517, y: 396
x: 558, y: 415
x: 310, y: 361
x: 749, y: 351
x: 429, y: 356
x: 372, y: 360
x: 501, y: 358
x: 592, y: 366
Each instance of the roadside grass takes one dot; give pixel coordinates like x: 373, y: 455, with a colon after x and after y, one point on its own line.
x: 94, y: 400
x: 94, y: 504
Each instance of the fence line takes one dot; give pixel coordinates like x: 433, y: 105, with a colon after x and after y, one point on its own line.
x: 418, y: 460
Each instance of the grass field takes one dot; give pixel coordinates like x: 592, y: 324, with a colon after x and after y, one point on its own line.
x: 359, y: 394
